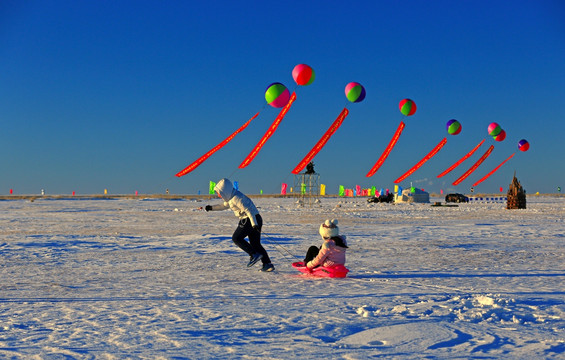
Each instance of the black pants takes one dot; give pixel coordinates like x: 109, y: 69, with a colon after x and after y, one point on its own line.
x: 245, y: 229
x: 311, y: 254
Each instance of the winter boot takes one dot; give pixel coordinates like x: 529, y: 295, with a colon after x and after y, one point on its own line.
x: 254, y: 258
x: 268, y: 267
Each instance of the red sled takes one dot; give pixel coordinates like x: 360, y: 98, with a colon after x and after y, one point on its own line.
x: 336, y: 271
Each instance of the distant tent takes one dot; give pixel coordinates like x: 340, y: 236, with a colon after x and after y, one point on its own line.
x: 412, y: 196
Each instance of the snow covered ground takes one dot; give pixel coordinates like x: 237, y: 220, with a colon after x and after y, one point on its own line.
x: 152, y: 278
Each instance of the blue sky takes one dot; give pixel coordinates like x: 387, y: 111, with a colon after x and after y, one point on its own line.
x: 121, y: 95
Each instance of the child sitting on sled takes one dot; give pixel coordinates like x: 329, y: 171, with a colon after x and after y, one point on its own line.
x: 332, y: 251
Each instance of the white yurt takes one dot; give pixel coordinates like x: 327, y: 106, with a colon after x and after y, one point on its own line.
x: 412, y: 195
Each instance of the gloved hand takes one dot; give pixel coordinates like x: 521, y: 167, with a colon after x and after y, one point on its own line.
x: 257, y: 228
x: 208, y: 208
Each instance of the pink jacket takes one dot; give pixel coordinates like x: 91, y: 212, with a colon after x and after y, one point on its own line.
x: 330, y: 254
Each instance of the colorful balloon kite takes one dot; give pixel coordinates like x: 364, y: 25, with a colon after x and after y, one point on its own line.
x: 279, y: 96
x: 523, y: 145
x: 303, y: 75
x: 276, y: 95
x: 453, y: 128
x: 500, y: 136
x: 494, y: 129
x: 497, y: 133
x: 407, y: 108
x: 354, y: 92
x: 272, y: 94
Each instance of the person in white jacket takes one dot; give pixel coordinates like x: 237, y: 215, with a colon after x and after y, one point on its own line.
x: 250, y: 222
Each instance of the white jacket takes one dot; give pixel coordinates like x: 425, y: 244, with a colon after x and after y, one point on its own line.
x: 241, y: 205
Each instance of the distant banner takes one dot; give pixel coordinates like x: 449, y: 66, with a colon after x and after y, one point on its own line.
x: 283, y: 188
x: 387, y: 151
x: 323, y: 140
x: 212, y: 186
x: 203, y: 158
x: 341, y: 190
x: 474, y: 167
x: 269, y: 133
x: 431, y: 154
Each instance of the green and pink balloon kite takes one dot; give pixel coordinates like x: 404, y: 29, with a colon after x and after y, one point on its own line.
x: 453, y: 127
x: 408, y: 108
x: 355, y: 93
x: 498, y: 134
x: 277, y: 95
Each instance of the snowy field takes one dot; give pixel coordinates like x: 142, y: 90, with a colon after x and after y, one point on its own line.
x: 151, y: 278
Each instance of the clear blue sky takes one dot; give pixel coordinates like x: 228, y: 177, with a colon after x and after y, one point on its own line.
x: 121, y: 95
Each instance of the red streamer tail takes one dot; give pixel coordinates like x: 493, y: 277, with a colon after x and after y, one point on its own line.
x: 431, y: 154
x: 203, y: 158
x: 475, y: 166
x: 493, y: 170
x: 323, y: 140
x: 461, y: 160
x: 387, y: 151
x: 269, y: 133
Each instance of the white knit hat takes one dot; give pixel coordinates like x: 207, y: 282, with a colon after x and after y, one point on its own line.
x: 329, y: 229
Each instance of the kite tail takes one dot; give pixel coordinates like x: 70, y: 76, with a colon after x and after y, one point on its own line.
x: 203, y: 158
x: 269, y: 133
x: 474, y: 167
x: 387, y: 151
x: 447, y: 171
x: 493, y: 170
x: 323, y: 140
x: 431, y: 154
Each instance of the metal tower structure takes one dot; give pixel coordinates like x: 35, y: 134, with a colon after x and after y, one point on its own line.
x: 307, y: 186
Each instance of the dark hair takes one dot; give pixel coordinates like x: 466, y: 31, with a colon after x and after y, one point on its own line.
x: 339, y: 241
